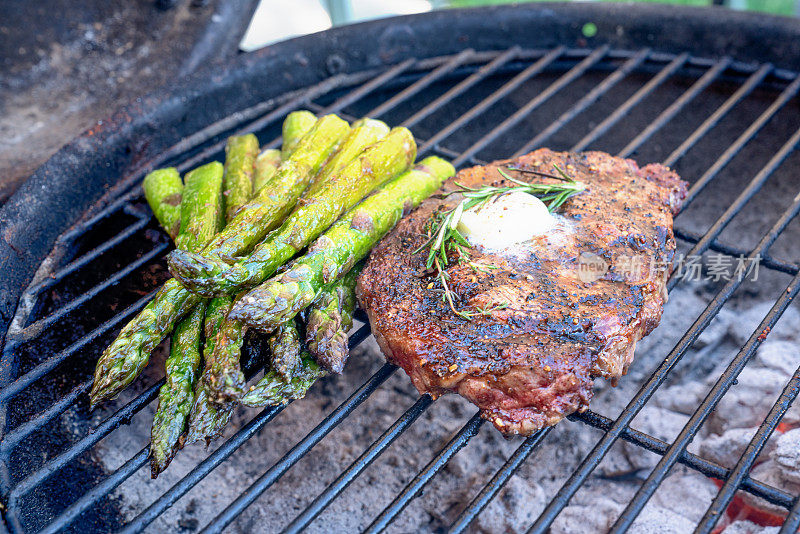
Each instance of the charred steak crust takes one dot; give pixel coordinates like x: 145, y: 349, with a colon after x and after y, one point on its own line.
x: 531, y: 363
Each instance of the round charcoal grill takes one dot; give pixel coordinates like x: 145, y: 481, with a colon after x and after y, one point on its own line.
x: 709, y: 92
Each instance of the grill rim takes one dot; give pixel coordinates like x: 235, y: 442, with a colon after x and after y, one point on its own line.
x: 710, y: 62
x: 93, y: 168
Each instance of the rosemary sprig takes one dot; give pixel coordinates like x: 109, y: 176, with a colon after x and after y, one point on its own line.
x: 445, y: 237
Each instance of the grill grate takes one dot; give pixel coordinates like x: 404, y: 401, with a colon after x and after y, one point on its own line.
x: 455, y: 77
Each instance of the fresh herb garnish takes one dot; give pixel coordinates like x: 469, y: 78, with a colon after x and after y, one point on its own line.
x: 444, y: 236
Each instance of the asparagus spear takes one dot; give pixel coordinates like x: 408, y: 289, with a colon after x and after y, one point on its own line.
x: 294, y: 126
x: 284, y: 345
x: 225, y: 380
x: 176, y: 396
x: 269, y: 160
x: 378, y: 163
x: 274, y: 389
x: 240, y: 157
x: 201, y: 208
x: 163, y: 190
x: 266, y: 166
x: 364, y: 133
x: 338, y: 249
x: 207, y: 418
x: 329, y: 319
x: 201, y: 216
x: 270, y: 205
x: 124, y: 359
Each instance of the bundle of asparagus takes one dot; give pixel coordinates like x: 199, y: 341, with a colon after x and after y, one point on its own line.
x: 336, y: 187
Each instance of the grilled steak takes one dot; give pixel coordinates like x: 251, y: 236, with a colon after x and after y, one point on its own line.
x: 557, y: 311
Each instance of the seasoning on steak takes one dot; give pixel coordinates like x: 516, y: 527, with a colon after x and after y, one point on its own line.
x: 554, y: 316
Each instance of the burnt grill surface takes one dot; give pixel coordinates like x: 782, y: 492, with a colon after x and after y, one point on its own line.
x: 728, y: 127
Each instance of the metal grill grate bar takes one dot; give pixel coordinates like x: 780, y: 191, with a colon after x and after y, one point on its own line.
x: 41, y: 370
x: 499, y: 480
x: 103, y: 489
x: 786, y: 95
x: 792, y: 523
x: 371, y: 81
x: 180, y: 488
x: 571, y: 75
x: 91, y: 256
x: 261, y: 123
x: 752, y: 82
x: 590, y: 98
x: 122, y: 416
x: 423, y: 477
x: 363, y: 90
x: 716, y: 246
x: 701, y: 465
x: 676, y: 107
x: 13, y: 438
x: 209, y: 464
x: 697, y: 419
x: 739, y: 473
x: 33, y: 330
x: 301, y: 449
x: 123, y: 203
x: 422, y: 83
x: 351, y: 473
x: 535, y: 69
x: 353, y: 96
x: 459, y: 89
x: 629, y: 104
x: 640, y: 399
x: 744, y: 197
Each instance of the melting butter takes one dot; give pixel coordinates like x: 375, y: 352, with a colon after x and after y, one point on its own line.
x: 512, y: 218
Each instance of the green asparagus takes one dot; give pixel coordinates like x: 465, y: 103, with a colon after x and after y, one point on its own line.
x: 176, y: 396
x: 269, y: 160
x: 201, y: 217
x: 225, y: 379
x: 207, y: 418
x: 266, y: 166
x: 121, y: 362
x: 201, y: 208
x: 124, y: 359
x: 295, y: 126
x: 330, y: 317
x: 163, y: 190
x: 338, y: 249
x: 284, y: 345
x: 367, y: 133
x: 378, y: 163
x: 240, y: 158
x: 273, y: 203
x: 364, y: 133
x: 274, y: 389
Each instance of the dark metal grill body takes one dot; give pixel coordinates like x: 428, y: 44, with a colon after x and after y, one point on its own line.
x: 472, y: 86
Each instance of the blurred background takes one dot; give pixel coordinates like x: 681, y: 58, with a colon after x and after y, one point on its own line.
x: 306, y: 16
x: 64, y: 65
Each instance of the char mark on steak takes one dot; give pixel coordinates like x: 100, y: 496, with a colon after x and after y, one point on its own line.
x: 565, y: 307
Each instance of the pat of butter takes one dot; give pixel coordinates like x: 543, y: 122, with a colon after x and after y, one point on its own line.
x: 506, y: 220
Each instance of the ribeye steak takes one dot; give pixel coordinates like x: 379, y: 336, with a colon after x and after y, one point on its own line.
x: 559, y: 310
